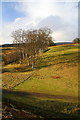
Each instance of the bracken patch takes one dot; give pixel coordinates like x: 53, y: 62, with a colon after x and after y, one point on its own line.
x: 55, y: 77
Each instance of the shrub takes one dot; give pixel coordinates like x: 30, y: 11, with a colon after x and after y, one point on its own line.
x: 76, y: 40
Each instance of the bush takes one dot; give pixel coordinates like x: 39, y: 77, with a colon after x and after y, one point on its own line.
x: 10, y: 58
x: 76, y: 40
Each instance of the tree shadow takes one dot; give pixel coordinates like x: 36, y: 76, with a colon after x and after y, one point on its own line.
x: 46, y: 108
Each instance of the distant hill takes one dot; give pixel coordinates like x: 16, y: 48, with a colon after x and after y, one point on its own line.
x: 12, y: 45
x: 62, y: 43
x: 7, y: 45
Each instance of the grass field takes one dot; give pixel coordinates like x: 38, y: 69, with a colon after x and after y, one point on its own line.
x: 62, y: 80
x: 51, y: 88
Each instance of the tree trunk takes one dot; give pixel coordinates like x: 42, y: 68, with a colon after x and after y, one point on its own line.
x: 20, y: 61
x: 22, y: 55
x: 28, y: 61
x: 32, y: 65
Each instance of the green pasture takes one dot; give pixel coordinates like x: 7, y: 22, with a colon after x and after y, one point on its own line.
x: 60, y: 79
x: 55, y: 73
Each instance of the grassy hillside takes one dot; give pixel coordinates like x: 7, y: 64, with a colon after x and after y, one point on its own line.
x: 51, y: 88
x: 62, y: 80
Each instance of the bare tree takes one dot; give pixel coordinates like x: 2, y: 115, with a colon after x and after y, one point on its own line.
x: 29, y: 43
x: 30, y: 46
x: 19, y: 41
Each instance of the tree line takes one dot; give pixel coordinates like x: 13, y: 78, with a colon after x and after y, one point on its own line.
x: 29, y: 43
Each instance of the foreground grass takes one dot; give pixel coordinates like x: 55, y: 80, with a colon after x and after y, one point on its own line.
x: 45, y: 107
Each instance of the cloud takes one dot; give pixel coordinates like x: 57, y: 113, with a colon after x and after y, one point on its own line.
x: 54, y: 22
x: 62, y: 30
x: 62, y: 18
x: 64, y: 36
x: 40, y: 0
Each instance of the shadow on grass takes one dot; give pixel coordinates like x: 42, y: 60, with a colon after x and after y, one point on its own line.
x: 61, y: 62
x: 45, y: 62
x: 36, y: 66
x: 17, y: 69
x: 69, y: 54
x: 45, y: 108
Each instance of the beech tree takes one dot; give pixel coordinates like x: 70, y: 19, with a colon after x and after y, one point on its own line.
x: 18, y: 36
x: 29, y: 43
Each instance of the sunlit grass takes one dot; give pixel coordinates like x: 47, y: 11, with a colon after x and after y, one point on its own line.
x: 44, y: 81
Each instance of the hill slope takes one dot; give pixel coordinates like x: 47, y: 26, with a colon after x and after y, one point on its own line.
x: 52, y: 88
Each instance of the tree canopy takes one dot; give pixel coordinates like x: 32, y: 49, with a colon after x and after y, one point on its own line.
x: 30, y: 42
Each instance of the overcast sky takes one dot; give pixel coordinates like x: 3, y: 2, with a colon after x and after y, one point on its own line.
x: 61, y: 17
